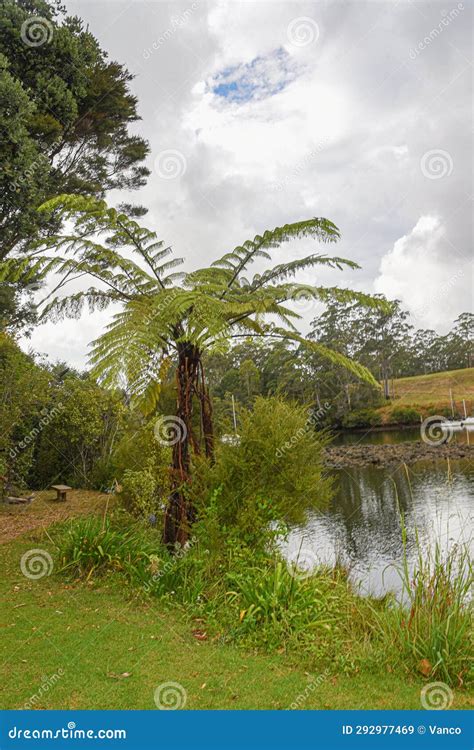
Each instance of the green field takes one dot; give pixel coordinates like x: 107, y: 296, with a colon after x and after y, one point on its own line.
x: 97, y: 646
x: 424, y: 390
x: 97, y: 635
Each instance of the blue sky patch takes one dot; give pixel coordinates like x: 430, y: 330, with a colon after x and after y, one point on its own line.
x: 264, y: 76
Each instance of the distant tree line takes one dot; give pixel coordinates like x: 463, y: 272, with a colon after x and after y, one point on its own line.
x: 386, y: 343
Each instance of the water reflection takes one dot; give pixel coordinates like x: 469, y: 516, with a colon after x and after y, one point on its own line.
x: 362, y: 525
x: 391, y: 437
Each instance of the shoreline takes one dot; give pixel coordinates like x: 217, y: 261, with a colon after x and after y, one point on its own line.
x: 336, y: 456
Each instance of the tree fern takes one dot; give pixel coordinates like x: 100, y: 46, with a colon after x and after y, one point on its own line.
x: 169, y: 316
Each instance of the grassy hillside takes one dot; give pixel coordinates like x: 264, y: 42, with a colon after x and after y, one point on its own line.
x: 423, y: 390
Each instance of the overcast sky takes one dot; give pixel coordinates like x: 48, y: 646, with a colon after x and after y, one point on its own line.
x: 261, y: 113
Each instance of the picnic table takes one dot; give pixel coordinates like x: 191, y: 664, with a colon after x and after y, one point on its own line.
x: 61, y: 491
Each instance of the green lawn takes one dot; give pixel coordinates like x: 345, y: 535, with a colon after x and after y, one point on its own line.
x: 422, y: 390
x: 95, y: 635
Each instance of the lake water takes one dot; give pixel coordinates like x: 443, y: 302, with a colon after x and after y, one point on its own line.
x: 362, y: 528
x: 391, y: 437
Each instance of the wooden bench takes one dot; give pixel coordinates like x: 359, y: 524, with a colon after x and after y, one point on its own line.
x: 61, y: 491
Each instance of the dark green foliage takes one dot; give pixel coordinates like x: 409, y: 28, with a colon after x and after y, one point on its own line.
x: 65, y: 113
x: 361, y: 418
x: 78, y: 441
x: 404, y: 415
x: 27, y: 396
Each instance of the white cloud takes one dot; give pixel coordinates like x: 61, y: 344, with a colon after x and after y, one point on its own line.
x: 344, y: 138
x: 433, y: 280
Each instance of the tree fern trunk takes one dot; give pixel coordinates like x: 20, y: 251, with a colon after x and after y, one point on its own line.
x: 206, y: 417
x: 180, y: 513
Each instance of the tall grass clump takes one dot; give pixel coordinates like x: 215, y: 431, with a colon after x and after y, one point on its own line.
x: 94, y: 546
x: 430, y: 629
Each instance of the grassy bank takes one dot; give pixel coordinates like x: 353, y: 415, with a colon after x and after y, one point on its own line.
x: 416, y: 398
x: 427, y: 390
x: 233, y: 632
x: 115, y: 650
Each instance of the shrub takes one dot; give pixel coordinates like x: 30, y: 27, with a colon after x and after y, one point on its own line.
x: 140, y: 463
x: 274, y: 473
x: 362, y: 418
x: 441, y: 411
x: 404, y: 415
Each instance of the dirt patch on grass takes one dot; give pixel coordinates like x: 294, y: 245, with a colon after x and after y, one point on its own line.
x: 45, y: 510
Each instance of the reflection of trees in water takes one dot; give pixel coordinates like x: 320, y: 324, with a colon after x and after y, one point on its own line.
x: 365, y: 510
x: 362, y: 526
x: 364, y: 517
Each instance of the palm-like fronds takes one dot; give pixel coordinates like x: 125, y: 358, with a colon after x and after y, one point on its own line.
x: 162, y: 310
